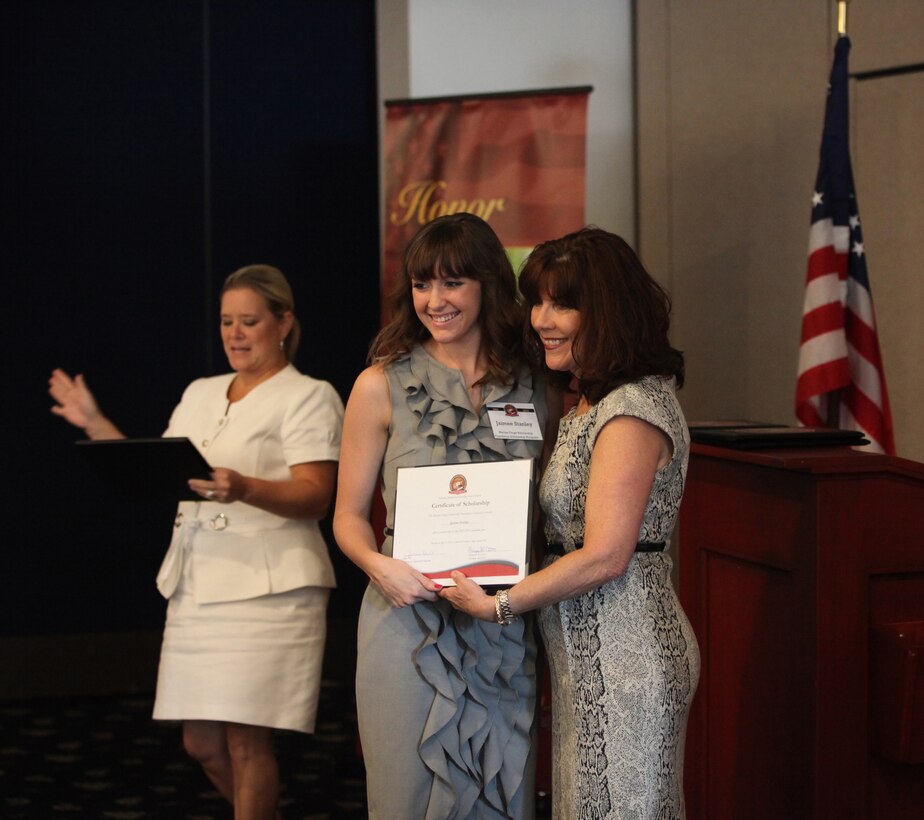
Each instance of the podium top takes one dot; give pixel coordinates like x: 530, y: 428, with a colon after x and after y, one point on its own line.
x: 816, y: 460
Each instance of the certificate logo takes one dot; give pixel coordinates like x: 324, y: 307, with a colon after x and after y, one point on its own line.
x: 458, y: 484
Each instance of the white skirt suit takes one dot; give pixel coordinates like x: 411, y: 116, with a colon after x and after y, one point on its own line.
x: 247, y: 589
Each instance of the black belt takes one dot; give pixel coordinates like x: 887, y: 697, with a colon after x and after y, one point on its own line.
x: 641, y: 546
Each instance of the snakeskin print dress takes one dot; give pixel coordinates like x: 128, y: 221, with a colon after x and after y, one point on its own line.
x: 623, y: 658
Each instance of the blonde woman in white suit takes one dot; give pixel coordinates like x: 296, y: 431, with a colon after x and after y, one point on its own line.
x: 247, y: 573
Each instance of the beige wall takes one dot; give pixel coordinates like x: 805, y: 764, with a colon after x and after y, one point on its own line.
x: 730, y: 104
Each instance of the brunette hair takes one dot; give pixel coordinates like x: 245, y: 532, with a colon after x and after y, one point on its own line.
x: 272, y: 285
x: 625, y: 314
x: 458, y: 245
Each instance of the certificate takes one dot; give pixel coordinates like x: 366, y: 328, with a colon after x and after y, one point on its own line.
x: 475, y: 518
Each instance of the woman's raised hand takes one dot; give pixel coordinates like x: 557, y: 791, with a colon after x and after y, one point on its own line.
x: 76, y: 404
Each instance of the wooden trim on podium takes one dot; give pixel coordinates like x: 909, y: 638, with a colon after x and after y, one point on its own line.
x: 816, y: 460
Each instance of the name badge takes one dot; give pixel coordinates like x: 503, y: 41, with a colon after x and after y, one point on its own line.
x: 515, y: 420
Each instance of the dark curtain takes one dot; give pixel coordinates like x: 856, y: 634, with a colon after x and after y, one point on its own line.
x: 149, y: 149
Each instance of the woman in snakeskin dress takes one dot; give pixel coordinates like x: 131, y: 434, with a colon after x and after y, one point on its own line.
x: 624, y: 661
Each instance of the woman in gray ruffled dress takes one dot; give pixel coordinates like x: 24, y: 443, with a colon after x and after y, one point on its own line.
x: 445, y: 701
x: 624, y: 661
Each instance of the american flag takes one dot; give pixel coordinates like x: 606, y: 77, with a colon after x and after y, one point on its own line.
x: 841, y: 381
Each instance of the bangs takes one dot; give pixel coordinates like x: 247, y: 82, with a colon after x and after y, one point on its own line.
x: 446, y: 254
x: 556, y: 276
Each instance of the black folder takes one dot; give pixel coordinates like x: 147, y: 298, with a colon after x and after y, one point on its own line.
x: 728, y: 424
x: 755, y: 438
x: 147, y: 468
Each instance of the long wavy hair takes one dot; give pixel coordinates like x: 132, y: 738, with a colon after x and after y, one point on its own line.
x: 458, y: 245
x: 272, y: 285
x: 625, y: 313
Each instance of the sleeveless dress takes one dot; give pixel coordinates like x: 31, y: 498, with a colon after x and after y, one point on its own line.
x: 623, y: 658
x: 445, y: 702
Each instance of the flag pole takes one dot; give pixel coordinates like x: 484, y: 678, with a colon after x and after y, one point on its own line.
x: 833, y: 414
x: 833, y: 408
x: 842, y: 18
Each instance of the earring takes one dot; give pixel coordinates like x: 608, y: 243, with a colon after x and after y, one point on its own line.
x: 282, y: 343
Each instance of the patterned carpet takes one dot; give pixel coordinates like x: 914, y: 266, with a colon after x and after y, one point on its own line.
x: 103, y: 757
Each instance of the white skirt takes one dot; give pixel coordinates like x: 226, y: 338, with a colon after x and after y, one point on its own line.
x: 256, y: 662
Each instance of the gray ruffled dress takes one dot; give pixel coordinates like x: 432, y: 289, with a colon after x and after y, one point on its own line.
x: 445, y: 702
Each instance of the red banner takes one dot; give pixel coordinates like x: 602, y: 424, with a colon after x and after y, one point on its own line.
x: 517, y: 161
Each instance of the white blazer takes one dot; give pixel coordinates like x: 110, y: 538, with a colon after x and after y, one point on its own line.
x: 239, y: 551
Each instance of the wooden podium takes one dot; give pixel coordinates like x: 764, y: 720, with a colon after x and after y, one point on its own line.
x: 802, y: 572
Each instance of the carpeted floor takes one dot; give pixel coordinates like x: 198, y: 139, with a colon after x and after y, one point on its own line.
x: 103, y: 757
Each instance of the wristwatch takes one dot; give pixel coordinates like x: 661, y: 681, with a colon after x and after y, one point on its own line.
x: 502, y: 608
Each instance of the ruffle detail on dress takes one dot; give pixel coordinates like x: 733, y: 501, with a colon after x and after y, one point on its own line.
x: 450, y: 425
x: 481, y: 673
x: 477, y: 735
